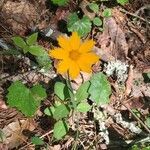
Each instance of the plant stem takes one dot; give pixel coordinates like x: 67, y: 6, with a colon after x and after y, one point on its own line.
x: 72, y: 96
x: 77, y: 134
x: 73, y: 101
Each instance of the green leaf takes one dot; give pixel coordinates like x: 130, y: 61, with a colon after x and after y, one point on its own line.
x: 94, y: 7
x: 37, y: 141
x: 122, y: 2
x: 107, y: 12
x: 23, y: 99
x: 60, y: 129
x: 82, y: 26
x: 97, y: 21
x: 135, y: 147
x: 136, y: 112
x: 83, y: 107
x: 146, y: 77
x: 38, y: 93
x: 60, y: 2
x: 44, y: 61
x: 36, y: 50
x: 101, y: 29
x: 61, y: 112
x: 61, y: 90
x: 26, y: 49
x: 100, y: 89
x: 19, y: 96
x: 18, y: 41
x: 147, y: 122
x: 32, y: 39
x: 49, y: 111
x: 82, y: 92
x: 57, y: 103
x: 70, y: 90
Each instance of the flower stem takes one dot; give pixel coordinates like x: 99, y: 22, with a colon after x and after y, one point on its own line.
x: 71, y: 93
x: 74, y: 104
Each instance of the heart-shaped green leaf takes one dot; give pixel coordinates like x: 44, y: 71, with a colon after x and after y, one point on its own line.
x: 100, y: 89
x: 60, y: 129
x: 82, y: 26
x: 83, y: 107
x: 60, y: 112
x: 24, y: 99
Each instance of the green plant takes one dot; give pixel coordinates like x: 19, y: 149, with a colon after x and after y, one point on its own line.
x: 30, y: 46
x: 146, y: 77
x: 60, y: 129
x: 24, y: 99
x: 147, y: 121
x: 136, y: 112
x: 94, y: 7
x: 97, y: 21
x: 69, y: 102
x: 60, y: 2
x: 82, y: 26
x: 107, y: 12
x: 37, y: 141
x: 139, y: 147
x: 122, y: 2
x: 100, y: 89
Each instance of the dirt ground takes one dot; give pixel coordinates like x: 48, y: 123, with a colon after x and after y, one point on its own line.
x: 125, y: 38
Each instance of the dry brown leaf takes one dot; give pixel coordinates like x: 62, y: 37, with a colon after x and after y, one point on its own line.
x: 112, y: 40
x: 2, y: 104
x: 55, y: 147
x: 129, y: 82
x: 104, y: 54
x: 62, y: 13
x: 18, y: 16
x: 120, y: 17
x: 13, y: 133
x: 3, y: 146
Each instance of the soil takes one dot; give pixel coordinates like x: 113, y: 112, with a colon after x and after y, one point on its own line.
x: 125, y: 37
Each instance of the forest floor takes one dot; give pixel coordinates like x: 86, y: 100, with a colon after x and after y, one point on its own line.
x: 122, y: 41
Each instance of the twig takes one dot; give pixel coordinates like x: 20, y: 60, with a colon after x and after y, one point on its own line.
x: 136, y: 117
x: 44, y: 135
x: 142, y: 8
x: 77, y: 134
x: 134, y: 15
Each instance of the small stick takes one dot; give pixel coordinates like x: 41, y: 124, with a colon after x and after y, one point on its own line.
x: 134, y: 15
x: 142, y: 8
x: 44, y: 135
x: 136, y: 117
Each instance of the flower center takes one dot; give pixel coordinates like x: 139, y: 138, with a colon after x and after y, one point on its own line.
x: 74, y: 55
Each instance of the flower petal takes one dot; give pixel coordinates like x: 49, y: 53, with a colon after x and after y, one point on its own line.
x: 58, y: 53
x: 63, y: 66
x: 88, y: 59
x: 64, y: 43
x: 86, y: 46
x: 85, y: 67
x: 75, y: 41
x: 74, y: 70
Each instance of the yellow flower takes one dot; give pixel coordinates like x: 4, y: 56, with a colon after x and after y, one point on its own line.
x: 73, y: 55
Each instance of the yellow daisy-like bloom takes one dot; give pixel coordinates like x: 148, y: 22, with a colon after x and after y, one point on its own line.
x: 73, y: 55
